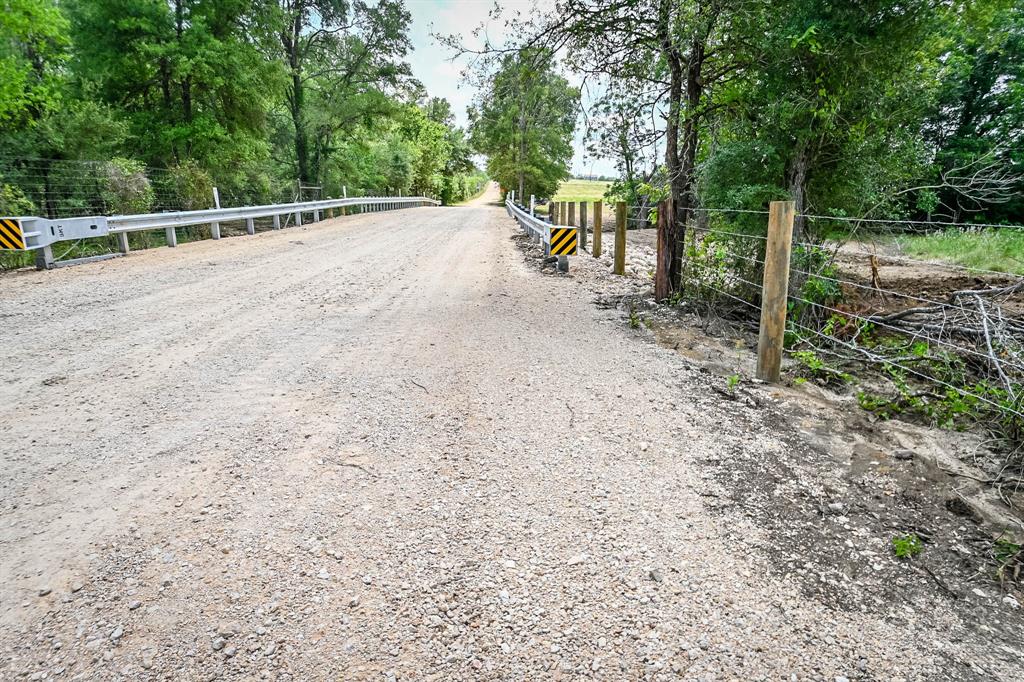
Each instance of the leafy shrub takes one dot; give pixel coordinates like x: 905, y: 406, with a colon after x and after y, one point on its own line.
x: 126, y: 189
x: 13, y: 201
x: 192, y: 186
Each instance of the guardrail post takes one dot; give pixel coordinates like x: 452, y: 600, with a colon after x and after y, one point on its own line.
x: 122, y: 242
x: 570, y: 218
x: 344, y: 195
x: 775, y: 290
x: 171, y: 236
x: 598, y: 219
x: 583, y: 225
x: 533, y: 206
x: 215, y: 226
x: 298, y: 218
x: 277, y: 222
x: 619, y: 266
x: 44, y: 258
x: 250, y: 226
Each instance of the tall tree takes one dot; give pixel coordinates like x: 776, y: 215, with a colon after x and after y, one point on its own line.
x: 340, y: 56
x: 976, y: 124
x: 33, y: 47
x: 184, y: 72
x: 523, y: 120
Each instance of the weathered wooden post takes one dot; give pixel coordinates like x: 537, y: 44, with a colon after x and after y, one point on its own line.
x: 619, y: 267
x: 344, y: 195
x: 665, y: 252
x: 583, y: 225
x: 570, y: 219
x: 775, y: 291
x: 598, y: 220
x: 250, y: 226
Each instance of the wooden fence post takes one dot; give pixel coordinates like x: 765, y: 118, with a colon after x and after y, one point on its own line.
x: 598, y: 207
x: 570, y: 219
x: 666, y: 251
x: 619, y: 267
x: 583, y: 225
x: 776, y: 290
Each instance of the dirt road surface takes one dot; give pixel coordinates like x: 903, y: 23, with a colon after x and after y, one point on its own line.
x: 386, y: 447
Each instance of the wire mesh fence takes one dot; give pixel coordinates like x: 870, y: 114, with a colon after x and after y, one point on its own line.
x: 61, y: 188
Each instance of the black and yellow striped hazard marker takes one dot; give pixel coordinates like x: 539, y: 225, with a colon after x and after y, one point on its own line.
x: 563, y: 241
x: 10, y: 234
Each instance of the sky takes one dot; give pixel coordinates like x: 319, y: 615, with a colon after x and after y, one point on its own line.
x: 432, y: 64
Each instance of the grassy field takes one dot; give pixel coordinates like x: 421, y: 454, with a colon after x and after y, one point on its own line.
x: 1001, y: 250
x: 581, y: 190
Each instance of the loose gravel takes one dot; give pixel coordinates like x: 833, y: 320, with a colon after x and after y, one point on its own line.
x: 385, y: 447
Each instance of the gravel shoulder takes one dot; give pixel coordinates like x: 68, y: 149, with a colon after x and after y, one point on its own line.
x: 387, y: 447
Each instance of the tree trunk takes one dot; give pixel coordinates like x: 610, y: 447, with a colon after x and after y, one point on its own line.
x: 681, y: 163
x: 522, y: 149
x: 668, y: 254
x: 663, y: 266
x: 291, y: 41
x: 796, y: 183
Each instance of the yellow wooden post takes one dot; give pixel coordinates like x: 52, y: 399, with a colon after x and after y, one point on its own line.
x: 776, y: 290
x: 583, y: 225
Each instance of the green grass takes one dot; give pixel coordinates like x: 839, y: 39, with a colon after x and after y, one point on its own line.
x: 581, y: 190
x: 1001, y: 250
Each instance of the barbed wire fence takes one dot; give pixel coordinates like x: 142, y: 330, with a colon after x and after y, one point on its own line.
x: 945, y: 343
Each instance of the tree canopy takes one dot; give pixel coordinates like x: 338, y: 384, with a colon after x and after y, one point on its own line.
x: 257, y: 97
x: 524, y: 120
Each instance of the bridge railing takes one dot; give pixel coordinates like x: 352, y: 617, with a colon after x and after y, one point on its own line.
x: 560, y: 241
x: 29, y: 233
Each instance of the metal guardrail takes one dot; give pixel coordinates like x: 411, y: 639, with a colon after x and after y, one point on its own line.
x: 559, y: 241
x: 531, y: 224
x: 30, y: 233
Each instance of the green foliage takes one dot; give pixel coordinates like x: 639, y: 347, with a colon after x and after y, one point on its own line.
x: 13, y: 201
x: 1001, y: 250
x: 634, y: 319
x: 907, y: 546
x: 1009, y: 560
x: 34, y: 46
x: 191, y: 185
x: 126, y: 189
x: 524, y: 121
x: 819, y: 369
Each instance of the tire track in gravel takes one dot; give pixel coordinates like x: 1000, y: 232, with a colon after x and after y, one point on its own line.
x: 396, y: 460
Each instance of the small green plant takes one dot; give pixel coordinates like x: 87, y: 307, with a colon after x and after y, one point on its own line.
x: 634, y: 319
x: 907, y: 546
x: 732, y: 381
x: 1009, y: 557
x: 819, y: 369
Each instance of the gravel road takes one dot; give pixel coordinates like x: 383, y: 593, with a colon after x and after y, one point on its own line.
x: 382, y: 447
